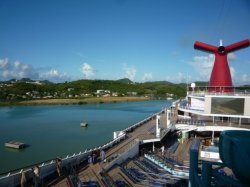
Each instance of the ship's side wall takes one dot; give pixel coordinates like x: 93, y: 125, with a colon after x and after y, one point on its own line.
x: 244, y: 111
x: 132, y: 152
x: 247, y: 107
x: 207, y: 108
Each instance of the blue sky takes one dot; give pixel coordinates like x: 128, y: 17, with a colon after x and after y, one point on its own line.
x: 144, y: 40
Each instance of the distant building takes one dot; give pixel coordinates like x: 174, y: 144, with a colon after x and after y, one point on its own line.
x: 114, y: 94
x: 106, y: 95
x: 102, y: 92
x: 36, y: 82
x: 85, y: 95
x: 131, y: 93
x: 48, y: 97
x: 169, y: 95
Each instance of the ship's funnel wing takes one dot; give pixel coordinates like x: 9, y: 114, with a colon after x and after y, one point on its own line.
x: 237, y: 46
x: 205, y: 47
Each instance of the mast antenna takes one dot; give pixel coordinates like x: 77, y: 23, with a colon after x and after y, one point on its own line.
x: 221, y: 43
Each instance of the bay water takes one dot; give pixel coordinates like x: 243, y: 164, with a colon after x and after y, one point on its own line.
x: 54, y: 131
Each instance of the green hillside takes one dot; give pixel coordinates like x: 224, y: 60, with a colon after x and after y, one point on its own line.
x: 26, y: 89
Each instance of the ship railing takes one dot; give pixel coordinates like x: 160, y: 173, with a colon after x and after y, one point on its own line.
x: 174, y: 103
x: 48, y: 167
x: 185, y: 107
x: 210, y: 122
x: 130, y: 150
x: 151, y: 117
x: 202, y: 93
x: 165, y: 131
x: 181, y: 173
x: 191, y: 122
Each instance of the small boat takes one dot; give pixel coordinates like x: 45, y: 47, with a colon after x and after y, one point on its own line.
x: 83, y: 124
x: 15, y: 145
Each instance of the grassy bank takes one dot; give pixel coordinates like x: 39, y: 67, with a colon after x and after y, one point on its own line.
x: 75, y: 101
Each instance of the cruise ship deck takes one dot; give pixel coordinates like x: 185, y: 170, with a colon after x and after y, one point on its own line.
x: 152, y: 152
x: 133, y: 158
x: 125, y: 167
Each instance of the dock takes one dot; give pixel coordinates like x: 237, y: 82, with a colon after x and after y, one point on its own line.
x: 15, y: 145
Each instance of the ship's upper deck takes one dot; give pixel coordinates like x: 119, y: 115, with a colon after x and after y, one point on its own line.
x: 204, y: 91
x: 216, y: 109
x: 203, y: 102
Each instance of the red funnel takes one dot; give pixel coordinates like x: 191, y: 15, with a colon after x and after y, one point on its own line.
x: 220, y: 79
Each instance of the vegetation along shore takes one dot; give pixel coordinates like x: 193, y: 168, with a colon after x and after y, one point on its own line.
x: 81, y: 101
x: 33, y: 92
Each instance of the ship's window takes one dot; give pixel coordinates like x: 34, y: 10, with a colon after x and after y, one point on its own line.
x: 231, y: 106
x: 180, y: 113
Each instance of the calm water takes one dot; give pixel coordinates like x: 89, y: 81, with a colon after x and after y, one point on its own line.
x: 52, y: 131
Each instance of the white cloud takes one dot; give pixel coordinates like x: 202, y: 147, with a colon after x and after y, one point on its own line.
x: 6, y: 74
x: 87, y: 70
x: 24, y: 70
x: 130, y: 72
x: 147, y: 77
x: 231, y: 57
x: 16, y: 70
x: 54, y: 75
x: 232, y: 71
x: 203, y: 65
x: 244, y: 77
x: 178, y: 78
x: 4, y: 63
x: 19, y: 70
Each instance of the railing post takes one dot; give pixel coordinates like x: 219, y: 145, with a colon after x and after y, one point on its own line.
x: 193, y: 169
x: 206, y: 173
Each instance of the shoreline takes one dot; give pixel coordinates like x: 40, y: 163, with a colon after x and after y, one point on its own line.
x: 90, y: 100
